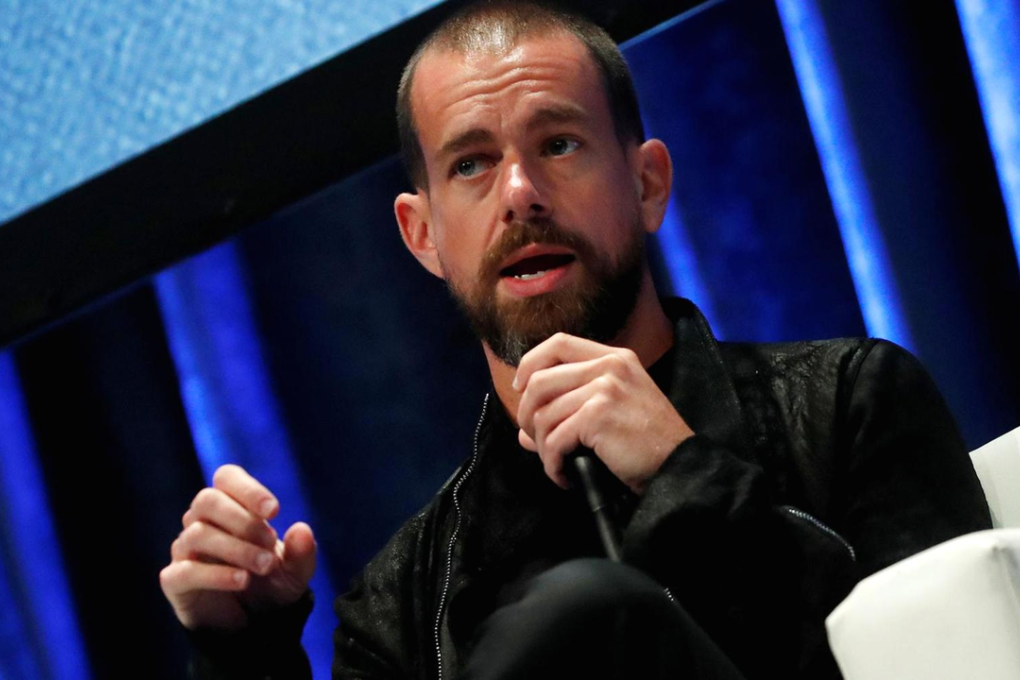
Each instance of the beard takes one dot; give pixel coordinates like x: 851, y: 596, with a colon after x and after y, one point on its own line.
x: 595, y: 307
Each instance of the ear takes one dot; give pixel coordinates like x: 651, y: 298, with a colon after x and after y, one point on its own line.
x: 655, y: 181
x: 414, y: 217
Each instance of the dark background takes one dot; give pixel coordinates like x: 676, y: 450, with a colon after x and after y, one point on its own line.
x: 312, y: 348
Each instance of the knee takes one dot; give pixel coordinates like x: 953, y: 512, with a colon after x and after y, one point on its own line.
x: 594, y: 585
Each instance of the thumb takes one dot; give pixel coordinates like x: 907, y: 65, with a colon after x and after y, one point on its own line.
x: 299, y: 550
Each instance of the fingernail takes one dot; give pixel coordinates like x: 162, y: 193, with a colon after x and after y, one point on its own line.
x: 239, y: 577
x: 266, y: 507
x: 263, y: 561
x: 514, y: 385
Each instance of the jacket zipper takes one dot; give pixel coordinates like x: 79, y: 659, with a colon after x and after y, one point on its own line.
x: 824, y: 527
x: 453, y: 540
x: 437, y: 631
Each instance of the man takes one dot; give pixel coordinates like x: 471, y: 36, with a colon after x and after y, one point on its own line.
x: 755, y: 483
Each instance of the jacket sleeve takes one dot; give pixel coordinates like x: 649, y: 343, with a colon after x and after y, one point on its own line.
x: 379, y: 635
x: 368, y: 641
x: 761, y: 576
x: 269, y: 649
x: 383, y: 618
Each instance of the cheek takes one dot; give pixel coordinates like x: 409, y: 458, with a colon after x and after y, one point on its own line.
x: 459, y: 254
x: 463, y: 237
x: 610, y: 193
x: 612, y: 217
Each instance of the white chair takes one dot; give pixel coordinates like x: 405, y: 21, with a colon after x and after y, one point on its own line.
x: 951, y: 612
x: 997, y: 464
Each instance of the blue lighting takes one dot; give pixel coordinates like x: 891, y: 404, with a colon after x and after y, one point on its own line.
x: 17, y: 653
x: 86, y: 85
x: 34, y: 564
x: 682, y: 265
x: 233, y: 414
x: 826, y: 110
x: 991, y: 31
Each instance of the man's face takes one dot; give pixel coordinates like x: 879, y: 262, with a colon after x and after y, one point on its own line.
x: 533, y: 202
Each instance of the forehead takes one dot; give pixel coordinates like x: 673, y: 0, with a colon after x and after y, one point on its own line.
x: 496, y: 88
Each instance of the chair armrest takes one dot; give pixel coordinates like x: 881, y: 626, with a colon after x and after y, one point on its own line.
x: 997, y: 465
x: 949, y: 612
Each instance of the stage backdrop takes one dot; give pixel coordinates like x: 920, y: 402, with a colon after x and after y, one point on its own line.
x: 841, y: 169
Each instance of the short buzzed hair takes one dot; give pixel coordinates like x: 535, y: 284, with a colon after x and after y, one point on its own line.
x: 500, y: 24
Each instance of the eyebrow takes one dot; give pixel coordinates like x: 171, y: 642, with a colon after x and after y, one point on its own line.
x: 559, y: 113
x: 464, y: 140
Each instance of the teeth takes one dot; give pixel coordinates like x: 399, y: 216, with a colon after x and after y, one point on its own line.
x: 528, y: 277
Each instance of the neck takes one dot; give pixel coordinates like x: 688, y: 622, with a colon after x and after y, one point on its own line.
x: 647, y: 332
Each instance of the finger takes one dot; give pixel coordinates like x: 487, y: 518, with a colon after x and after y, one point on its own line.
x: 299, y: 550
x: 550, y: 415
x: 526, y: 441
x: 185, y: 576
x: 214, y: 506
x: 246, y: 490
x: 560, y: 443
x: 561, y: 349
x: 552, y: 383
x: 205, y: 542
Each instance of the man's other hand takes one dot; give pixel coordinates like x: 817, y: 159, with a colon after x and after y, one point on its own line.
x: 228, y: 561
x: 576, y: 392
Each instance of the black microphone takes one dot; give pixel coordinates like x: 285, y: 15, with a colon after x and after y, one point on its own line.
x: 584, y: 469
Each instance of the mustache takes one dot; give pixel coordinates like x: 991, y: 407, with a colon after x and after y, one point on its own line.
x: 538, y: 230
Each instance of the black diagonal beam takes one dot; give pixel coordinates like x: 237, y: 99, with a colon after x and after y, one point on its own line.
x: 208, y: 183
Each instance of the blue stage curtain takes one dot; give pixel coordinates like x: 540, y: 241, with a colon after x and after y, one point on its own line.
x: 841, y: 168
x: 233, y: 413
x: 991, y: 30
x: 39, y: 635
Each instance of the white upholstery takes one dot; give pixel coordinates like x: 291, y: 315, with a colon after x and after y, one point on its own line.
x: 951, y: 612
x: 997, y: 464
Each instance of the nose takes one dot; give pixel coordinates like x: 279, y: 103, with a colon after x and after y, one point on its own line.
x: 522, y: 197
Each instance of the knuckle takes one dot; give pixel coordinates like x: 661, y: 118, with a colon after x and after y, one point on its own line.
x: 549, y: 467
x: 554, y: 449
x: 603, y: 384
x: 614, y: 389
x: 224, y: 473
x: 551, y: 445
x: 541, y: 420
x: 208, y: 503
x: 524, y: 410
x: 538, y: 381
x: 616, y: 362
x: 597, y: 406
x: 196, y: 532
x: 204, y: 499
x: 185, y: 570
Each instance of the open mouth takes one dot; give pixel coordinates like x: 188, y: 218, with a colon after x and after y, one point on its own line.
x: 535, y: 267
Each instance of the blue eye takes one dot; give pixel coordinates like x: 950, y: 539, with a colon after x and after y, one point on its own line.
x: 562, y: 146
x: 469, y: 167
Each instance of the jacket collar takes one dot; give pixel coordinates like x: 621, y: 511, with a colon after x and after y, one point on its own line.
x: 700, y: 386
x: 510, y: 495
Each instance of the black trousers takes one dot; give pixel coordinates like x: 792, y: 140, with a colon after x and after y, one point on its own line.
x: 593, y: 618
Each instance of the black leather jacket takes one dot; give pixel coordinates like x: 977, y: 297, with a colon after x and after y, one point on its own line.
x: 813, y: 464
